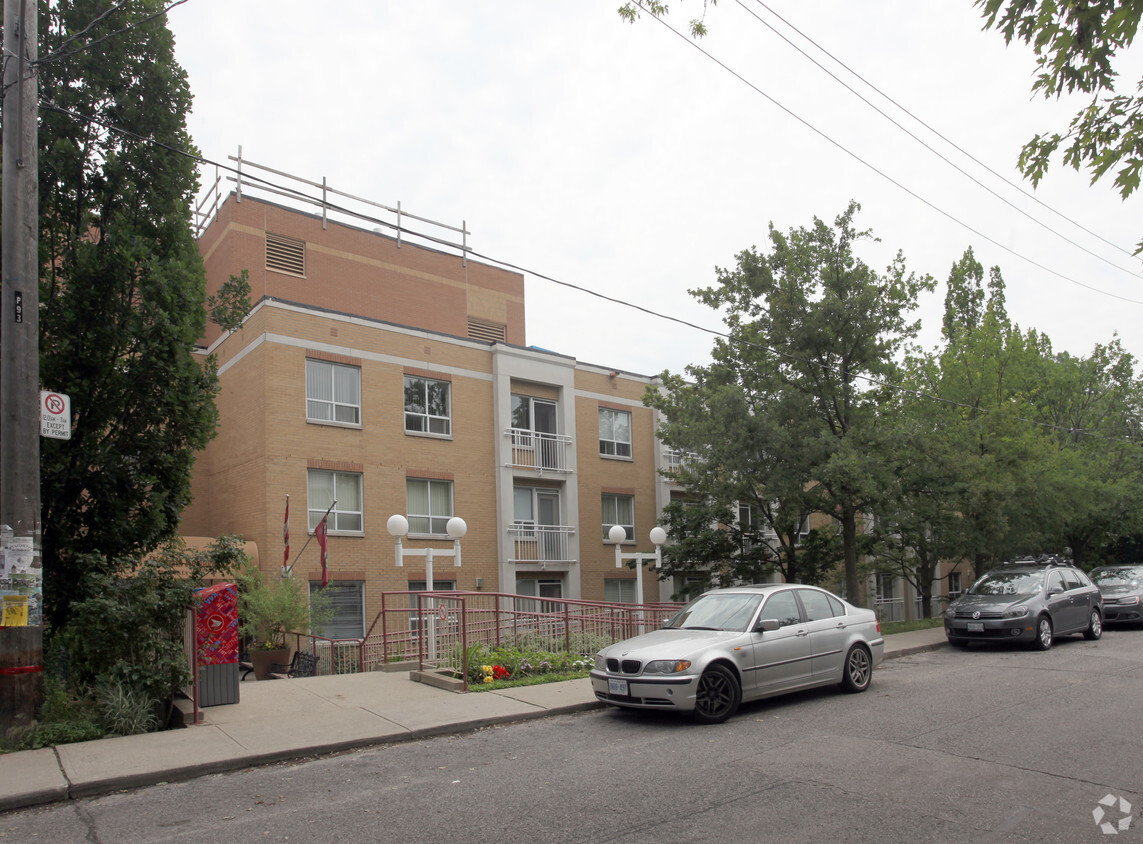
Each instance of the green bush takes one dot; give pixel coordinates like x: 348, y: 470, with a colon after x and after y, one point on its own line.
x: 63, y: 720
x: 124, y: 711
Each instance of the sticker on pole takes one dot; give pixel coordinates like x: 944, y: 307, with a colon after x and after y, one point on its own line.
x: 55, y: 415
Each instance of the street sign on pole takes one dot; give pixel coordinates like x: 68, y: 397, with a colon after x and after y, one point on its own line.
x: 55, y: 415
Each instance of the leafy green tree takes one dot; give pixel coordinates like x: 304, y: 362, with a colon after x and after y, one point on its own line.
x: 1076, y: 47
x: 984, y: 377
x: 125, y: 628
x: 1091, y: 407
x: 122, y: 291
x: 786, y: 416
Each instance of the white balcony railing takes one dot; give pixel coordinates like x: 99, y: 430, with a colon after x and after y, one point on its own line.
x: 539, y: 451
x: 533, y: 543
x: 674, y: 459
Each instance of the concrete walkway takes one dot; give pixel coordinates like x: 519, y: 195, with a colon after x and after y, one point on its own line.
x: 289, y: 719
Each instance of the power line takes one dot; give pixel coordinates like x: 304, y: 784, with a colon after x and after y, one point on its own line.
x: 886, y: 176
x: 731, y: 338
x: 935, y: 152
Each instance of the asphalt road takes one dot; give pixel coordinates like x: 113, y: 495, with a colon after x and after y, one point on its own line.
x: 982, y: 745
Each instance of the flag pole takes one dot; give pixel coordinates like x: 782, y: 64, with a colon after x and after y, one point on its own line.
x: 290, y: 570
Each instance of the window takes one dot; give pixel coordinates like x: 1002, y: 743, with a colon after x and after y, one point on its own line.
x: 333, y: 392
x: 619, y: 590
x: 614, y: 432
x: 429, y: 505
x: 955, y: 587
x: 619, y: 510
x: 428, y: 406
x: 325, y: 487
x: 422, y: 586
x: 539, y: 588
x: 781, y: 607
x: 347, y: 600
x: 819, y: 605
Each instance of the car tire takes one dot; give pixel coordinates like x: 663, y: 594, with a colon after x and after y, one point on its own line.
x: 959, y: 643
x: 1043, y: 639
x: 858, y: 671
x: 717, y: 696
x: 1094, y: 627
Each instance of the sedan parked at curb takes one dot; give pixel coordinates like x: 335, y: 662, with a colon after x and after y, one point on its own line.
x: 1030, y: 601
x: 740, y: 644
x: 1122, y: 589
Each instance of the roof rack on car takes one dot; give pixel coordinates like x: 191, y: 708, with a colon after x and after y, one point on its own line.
x: 1049, y: 560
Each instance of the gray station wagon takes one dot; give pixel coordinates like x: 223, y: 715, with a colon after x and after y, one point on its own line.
x: 1031, y: 601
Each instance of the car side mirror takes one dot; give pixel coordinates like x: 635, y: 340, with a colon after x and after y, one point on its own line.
x: 767, y: 625
x: 1055, y: 590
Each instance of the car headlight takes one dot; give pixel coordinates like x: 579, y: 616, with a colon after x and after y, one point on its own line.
x: 666, y: 666
x: 1016, y: 612
x: 600, y: 663
x: 1131, y: 600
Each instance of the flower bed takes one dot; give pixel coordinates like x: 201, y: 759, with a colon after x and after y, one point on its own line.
x: 499, y: 667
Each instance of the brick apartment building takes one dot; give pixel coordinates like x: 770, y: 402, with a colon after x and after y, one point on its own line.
x: 396, y: 379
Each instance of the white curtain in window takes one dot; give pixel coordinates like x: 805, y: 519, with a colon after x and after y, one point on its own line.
x: 347, y: 384
x: 320, y: 486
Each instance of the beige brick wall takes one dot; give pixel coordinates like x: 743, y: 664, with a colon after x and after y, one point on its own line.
x: 361, y: 272
x: 599, y: 474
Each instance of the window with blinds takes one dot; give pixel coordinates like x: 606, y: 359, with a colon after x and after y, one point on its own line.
x: 347, y: 600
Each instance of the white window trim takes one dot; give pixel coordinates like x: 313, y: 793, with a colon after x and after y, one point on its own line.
x: 617, y: 443
x: 426, y: 416
x: 430, y: 516
x: 607, y: 525
x: 320, y: 511
x: 334, y: 403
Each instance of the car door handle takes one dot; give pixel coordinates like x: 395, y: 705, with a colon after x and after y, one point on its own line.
x: 802, y: 633
x: 841, y: 625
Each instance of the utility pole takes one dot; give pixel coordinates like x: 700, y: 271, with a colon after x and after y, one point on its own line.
x: 21, y: 635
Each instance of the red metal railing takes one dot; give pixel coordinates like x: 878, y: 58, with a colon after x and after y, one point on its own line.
x: 437, y: 629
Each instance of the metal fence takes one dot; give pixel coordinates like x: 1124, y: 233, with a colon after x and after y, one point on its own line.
x: 441, y: 629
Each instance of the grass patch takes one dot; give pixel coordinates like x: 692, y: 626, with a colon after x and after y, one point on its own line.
x: 890, y: 627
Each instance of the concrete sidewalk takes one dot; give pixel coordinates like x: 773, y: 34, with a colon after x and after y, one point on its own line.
x: 289, y: 719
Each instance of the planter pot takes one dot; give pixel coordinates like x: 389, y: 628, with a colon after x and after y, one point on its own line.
x: 262, y: 660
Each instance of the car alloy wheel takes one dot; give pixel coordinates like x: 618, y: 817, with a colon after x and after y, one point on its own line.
x: 858, y: 670
x: 717, y: 696
x: 1043, y: 633
x: 1095, y: 627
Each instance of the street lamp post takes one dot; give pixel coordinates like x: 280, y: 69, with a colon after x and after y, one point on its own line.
x: 398, y: 526
x: 659, y: 538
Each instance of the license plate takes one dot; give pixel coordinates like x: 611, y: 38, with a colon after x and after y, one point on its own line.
x: 617, y: 687
x: 976, y: 627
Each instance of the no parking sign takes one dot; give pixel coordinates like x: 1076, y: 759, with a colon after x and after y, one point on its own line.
x: 55, y: 415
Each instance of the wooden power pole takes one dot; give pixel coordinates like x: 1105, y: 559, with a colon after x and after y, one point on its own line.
x: 21, y: 577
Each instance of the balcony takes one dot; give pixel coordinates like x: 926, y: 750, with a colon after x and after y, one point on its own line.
x: 541, y: 544
x: 674, y: 459
x: 539, y: 451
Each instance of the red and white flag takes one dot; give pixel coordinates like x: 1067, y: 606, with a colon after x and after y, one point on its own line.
x: 320, y: 533
x: 286, y: 535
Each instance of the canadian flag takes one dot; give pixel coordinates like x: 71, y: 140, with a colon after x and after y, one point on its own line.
x: 320, y: 533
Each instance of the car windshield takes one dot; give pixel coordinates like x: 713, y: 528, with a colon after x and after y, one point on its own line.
x: 1118, y: 576
x: 1008, y: 583
x: 728, y: 611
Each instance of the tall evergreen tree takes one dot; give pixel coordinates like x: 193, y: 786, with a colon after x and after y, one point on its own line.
x: 122, y: 290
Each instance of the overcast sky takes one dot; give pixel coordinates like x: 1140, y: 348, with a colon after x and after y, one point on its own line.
x: 622, y: 159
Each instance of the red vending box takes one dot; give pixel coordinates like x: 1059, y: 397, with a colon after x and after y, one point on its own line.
x: 216, y: 643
